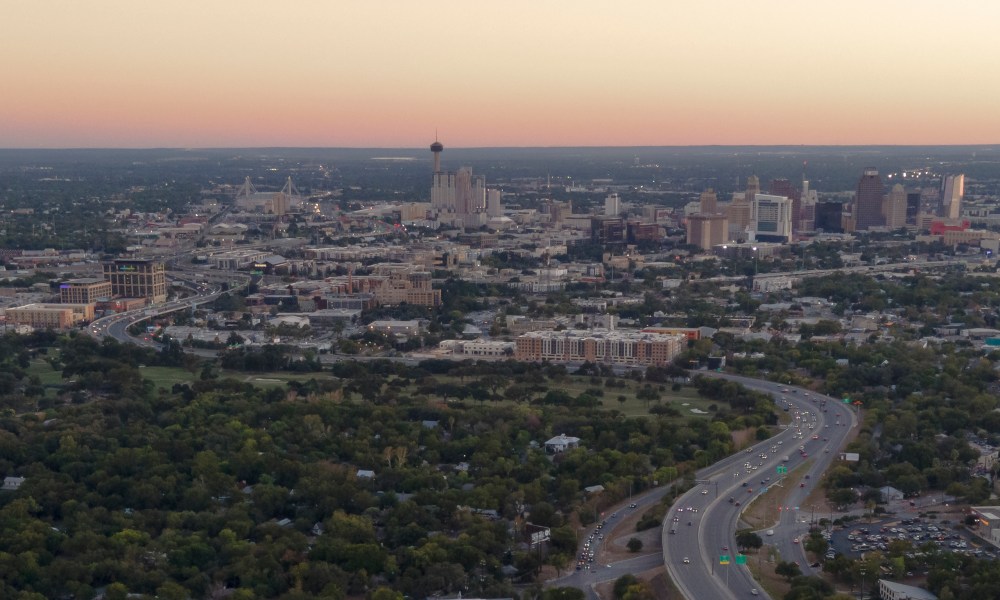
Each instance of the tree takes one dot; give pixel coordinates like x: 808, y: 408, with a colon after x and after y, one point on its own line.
x: 788, y: 570
x: 634, y: 544
x: 563, y: 593
x: 622, y: 584
x: 384, y: 593
x: 748, y: 540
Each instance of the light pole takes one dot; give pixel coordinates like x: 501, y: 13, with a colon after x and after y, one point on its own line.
x: 754, y: 261
x: 861, y: 595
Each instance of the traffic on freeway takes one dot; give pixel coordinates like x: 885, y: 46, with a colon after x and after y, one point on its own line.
x: 699, y: 541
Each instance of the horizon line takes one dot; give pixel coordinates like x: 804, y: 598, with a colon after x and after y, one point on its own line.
x: 540, y: 147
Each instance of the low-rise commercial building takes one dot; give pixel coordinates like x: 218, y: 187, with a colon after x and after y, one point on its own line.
x: 84, y: 291
x: 50, y: 316
x: 890, y: 590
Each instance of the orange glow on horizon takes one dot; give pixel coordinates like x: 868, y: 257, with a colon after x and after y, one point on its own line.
x: 521, y: 73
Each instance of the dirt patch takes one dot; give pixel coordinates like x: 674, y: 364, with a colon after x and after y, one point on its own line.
x: 743, y: 438
x: 663, y: 588
x: 762, y: 565
x: 613, y: 549
x: 763, y: 511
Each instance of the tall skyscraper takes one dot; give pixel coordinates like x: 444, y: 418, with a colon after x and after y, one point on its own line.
x: 912, y: 207
x: 753, y: 188
x: 952, y: 191
x: 709, y: 202
x: 895, y: 207
x: 807, y: 209
x: 868, y: 201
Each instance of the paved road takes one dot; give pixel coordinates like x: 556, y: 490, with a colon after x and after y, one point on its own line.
x: 714, y: 524
x: 585, y: 579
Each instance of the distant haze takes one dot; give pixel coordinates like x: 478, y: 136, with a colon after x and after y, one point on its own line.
x: 388, y: 73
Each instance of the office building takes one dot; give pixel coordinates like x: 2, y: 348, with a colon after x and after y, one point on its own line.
x: 891, y: 590
x: 84, y: 291
x: 829, y: 217
x: 50, y: 316
x: 952, y: 191
x: 772, y: 218
x: 894, y: 208
x: 607, y: 230
x: 912, y: 207
x: 868, y: 201
x: 409, y: 287
x: 740, y: 210
x: 784, y: 187
x: 807, y: 209
x: 706, y: 231
x: 738, y: 216
x: 137, y: 278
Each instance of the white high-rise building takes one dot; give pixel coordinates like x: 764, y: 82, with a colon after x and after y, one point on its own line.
x: 613, y: 205
x: 771, y: 218
x: 952, y: 191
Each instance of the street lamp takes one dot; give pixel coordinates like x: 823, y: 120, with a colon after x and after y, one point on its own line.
x: 754, y: 261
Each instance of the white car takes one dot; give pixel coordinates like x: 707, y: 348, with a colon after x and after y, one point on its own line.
x: 703, y: 492
x: 687, y: 560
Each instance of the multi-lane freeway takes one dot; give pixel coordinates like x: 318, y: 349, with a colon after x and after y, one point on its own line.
x: 692, y: 554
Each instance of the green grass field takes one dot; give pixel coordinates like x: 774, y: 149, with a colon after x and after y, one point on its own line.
x: 686, y: 401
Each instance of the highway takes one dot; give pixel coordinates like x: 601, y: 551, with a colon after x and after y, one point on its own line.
x: 712, y: 528
x: 207, y: 290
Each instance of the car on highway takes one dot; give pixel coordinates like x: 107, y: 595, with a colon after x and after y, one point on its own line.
x: 687, y: 560
x: 754, y: 592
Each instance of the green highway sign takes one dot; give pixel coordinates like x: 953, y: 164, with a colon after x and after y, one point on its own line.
x: 724, y: 559
x: 741, y: 559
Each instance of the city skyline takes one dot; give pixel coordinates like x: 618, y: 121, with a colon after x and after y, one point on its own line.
x: 353, y: 74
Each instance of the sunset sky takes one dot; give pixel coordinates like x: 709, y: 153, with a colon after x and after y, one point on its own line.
x: 385, y: 73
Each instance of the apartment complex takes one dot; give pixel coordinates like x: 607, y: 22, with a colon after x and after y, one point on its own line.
x: 599, y: 346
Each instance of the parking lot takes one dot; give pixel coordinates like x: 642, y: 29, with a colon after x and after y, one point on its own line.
x: 860, y: 537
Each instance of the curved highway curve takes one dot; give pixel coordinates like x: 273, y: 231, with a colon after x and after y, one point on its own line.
x: 692, y: 555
